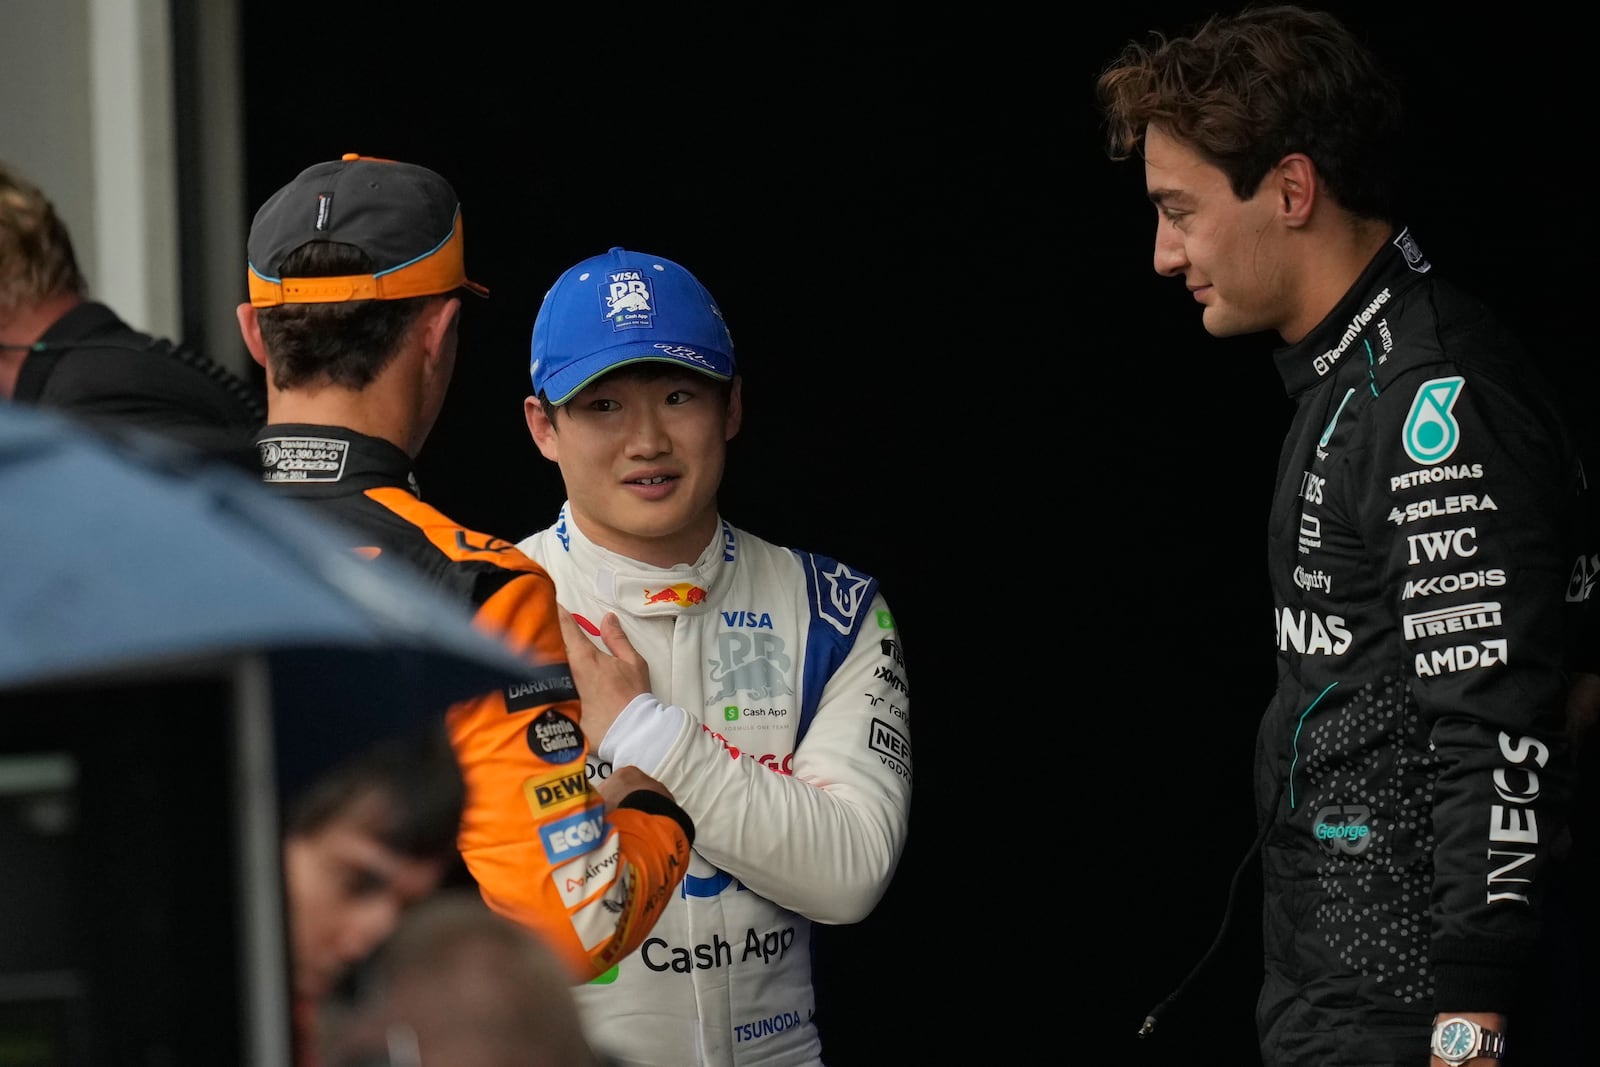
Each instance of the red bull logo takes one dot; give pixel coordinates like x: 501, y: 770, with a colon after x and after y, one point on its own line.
x: 683, y: 593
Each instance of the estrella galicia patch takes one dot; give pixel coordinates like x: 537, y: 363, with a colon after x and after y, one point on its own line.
x: 555, y: 738
x: 545, y: 685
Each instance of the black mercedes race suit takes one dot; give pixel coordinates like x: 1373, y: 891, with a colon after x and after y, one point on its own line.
x: 1411, y: 765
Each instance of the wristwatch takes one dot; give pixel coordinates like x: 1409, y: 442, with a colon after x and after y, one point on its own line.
x: 1457, y: 1040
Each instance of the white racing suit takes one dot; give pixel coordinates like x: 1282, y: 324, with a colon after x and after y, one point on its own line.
x: 794, y: 760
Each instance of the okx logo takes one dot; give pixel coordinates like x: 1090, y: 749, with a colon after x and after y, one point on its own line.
x: 1343, y: 828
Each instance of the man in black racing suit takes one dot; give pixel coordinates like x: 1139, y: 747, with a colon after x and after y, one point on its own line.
x: 1412, y: 761
x: 1412, y: 774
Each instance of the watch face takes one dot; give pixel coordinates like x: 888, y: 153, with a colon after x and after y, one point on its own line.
x: 1457, y: 1040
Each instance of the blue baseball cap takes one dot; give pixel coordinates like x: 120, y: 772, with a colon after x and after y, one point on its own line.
x: 620, y: 308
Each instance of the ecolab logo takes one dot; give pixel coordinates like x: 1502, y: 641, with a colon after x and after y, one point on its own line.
x: 574, y: 834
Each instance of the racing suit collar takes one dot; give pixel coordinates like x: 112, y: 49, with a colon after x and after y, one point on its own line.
x: 638, y: 589
x: 1346, y: 335
x: 319, y: 459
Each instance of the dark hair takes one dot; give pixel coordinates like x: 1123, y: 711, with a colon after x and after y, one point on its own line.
x: 345, y: 344
x: 649, y: 371
x: 1245, y: 90
x: 418, y: 777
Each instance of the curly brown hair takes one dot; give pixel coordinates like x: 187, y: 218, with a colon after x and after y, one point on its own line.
x: 1247, y: 89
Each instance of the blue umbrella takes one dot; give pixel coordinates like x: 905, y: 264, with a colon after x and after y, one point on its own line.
x: 126, y: 555
x: 128, y: 568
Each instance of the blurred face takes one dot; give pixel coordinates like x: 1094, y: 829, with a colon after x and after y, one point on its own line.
x: 642, y: 461
x: 1228, y: 251
x: 346, y: 891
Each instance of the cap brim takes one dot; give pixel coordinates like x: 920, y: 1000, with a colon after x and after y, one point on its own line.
x: 564, y: 384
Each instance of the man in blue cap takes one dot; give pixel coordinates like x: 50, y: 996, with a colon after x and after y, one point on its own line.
x: 780, y: 714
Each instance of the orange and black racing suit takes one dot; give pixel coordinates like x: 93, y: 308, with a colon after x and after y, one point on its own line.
x: 535, y: 835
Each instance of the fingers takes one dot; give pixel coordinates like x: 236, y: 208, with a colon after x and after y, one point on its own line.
x: 616, y: 639
x: 570, y: 633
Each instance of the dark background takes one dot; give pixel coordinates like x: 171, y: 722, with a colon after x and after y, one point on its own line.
x: 962, y: 376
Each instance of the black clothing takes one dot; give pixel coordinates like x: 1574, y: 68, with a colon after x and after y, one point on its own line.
x: 99, y: 370
x: 1412, y: 764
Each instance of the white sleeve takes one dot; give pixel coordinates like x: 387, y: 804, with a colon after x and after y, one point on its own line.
x: 642, y: 733
x: 823, y: 840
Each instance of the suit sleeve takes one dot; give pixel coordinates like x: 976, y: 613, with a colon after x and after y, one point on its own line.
x: 1477, y: 568
x: 535, y: 836
x: 820, y: 833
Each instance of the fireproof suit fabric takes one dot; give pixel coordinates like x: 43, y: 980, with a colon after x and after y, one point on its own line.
x: 97, y: 369
x: 793, y: 758
x: 535, y: 834
x: 1412, y: 764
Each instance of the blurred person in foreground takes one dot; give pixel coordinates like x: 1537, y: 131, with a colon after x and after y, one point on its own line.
x: 364, y: 841
x: 458, y: 984
x: 1412, y: 776
x: 356, y: 278
x: 61, y: 349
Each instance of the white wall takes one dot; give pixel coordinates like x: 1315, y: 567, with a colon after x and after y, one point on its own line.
x: 88, y: 111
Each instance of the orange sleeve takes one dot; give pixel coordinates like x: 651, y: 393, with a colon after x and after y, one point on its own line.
x: 535, y: 835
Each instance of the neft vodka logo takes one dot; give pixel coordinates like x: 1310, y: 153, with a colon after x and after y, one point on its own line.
x: 892, y: 747
x: 1451, y: 620
x: 628, y: 299
x: 1431, y: 432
